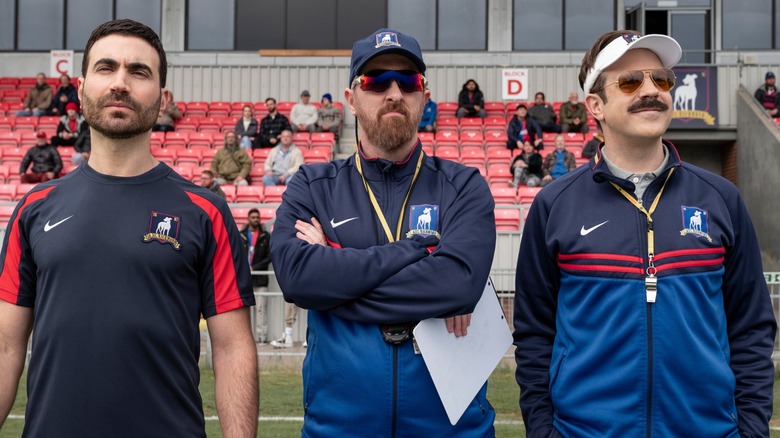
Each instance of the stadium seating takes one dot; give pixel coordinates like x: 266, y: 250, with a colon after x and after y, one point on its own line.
x: 249, y: 194
x: 498, y: 173
x: 446, y: 108
x: 495, y: 109
x: 526, y: 195
x: 230, y: 192
x: 5, y: 215
x: 273, y: 194
x: 504, y: 195
x: 507, y: 219
x: 7, y: 192
x: 447, y: 152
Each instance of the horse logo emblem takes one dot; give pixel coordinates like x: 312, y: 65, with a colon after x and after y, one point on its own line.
x: 424, y: 220
x: 163, y: 228
x: 695, y: 222
x: 386, y: 39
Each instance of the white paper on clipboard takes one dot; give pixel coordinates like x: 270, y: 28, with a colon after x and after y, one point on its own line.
x: 460, y: 366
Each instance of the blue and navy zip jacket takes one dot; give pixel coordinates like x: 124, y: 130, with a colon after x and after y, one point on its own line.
x: 595, y: 357
x: 355, y: 383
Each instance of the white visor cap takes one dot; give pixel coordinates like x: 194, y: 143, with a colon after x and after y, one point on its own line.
x: 666, y: 48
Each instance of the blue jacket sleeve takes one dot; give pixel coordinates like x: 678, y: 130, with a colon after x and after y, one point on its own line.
x: 320, y: 278
x: 751, y: 325
x: 537, y: 282
x: 451, y: 279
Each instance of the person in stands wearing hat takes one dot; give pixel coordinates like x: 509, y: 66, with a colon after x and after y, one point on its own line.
x: 329, y: 116
x: 45, y: 160
x: 768, y: 96
x: 70, y: 126
x: 641, y: 308
x: 303, y: 115
x: 372, y: 243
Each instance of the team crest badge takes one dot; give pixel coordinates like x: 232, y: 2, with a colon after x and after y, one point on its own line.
x: 695, y: 222
x: 424, y: 220
x: 164, y: 228
x: 386, y: 39
x: 630, y: 38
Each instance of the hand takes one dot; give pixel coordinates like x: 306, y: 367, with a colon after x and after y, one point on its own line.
x: 576, y: 121
x: 238, y: 179
x: 477, y: 108
x: 324, y: 127
x: 537, y: 142
x: 282, y: 178
x: 311, y: 233
x: 521, y: 163
x: 63, y: 98
x: 50, y: 175
x: 459, y: 324
x: 273, y: 140
x: 547, y: 178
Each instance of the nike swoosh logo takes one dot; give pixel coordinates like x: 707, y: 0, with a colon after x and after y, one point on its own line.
x: 340, y: 223
x: 48, y: 227
x: 585, y: 231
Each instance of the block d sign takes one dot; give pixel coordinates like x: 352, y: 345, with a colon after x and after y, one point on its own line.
x: 514, y: 83
x: 61, y: 63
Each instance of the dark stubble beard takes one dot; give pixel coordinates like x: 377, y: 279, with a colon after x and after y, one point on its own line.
x: 393, y: 133
x: 119, y: 125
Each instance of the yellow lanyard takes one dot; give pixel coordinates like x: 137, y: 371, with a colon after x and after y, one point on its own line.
x: 375, y: 204
x: 651, y: 282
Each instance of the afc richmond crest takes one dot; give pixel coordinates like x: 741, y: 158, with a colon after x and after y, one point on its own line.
x: 424, y: 220
x: 163, y: 228
x: 695, y: 221
x: 386, y: 39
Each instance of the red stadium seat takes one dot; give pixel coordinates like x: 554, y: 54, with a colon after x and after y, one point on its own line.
x: 240, y: 215
x: 501, y: 156
x: 273, y: 194
x: 495, y: 138
x: 498, y: 173
x: 6, y: 211
x: 446, y: 134
x: 256, y: 172
x: 285, y: 108
x: 197, y: 109
x: 22, y: 189
x: 323, y: 138
x: 267, y: 214
x: 301, y: 139
x: 173, y: 138
x: 447, y: 152
x: 316, y: 155
x: 230, y: 192
x: 201, y: 140
x: 447, y: 108
x: 512, y: 106
x: 217, y: 124
x: 472, y: 137
x: 188, y: 123
x: 219, y: 109
x: 426, y: 137
x: 189, y: 155
x: 26, y: 124
x: 504, y: 195
x: 7, y: 123
x: 507, y: 219
x: 446, y: 122
x: 7, y: 192
x: 260, y: 154
x: 471, y: 124
x: 249, y: 194
x: 495, y: 123
x: 526, y: 195
x: 472, y: 155
x: 184, y: 171
x: 495, y: 109
x: 10, y: 139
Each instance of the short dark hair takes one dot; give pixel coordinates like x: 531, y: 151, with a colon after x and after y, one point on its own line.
x: 539, y: 93
x: 252, y: 210
x: 269, y: 98
x: 207, y: 172
x: 129, y: 28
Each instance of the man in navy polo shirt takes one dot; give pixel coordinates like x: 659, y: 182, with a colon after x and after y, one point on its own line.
x: 115, y: 264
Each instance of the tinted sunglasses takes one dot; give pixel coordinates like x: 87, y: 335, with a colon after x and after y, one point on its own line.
x: 379, y: 81
x: 631, y: 80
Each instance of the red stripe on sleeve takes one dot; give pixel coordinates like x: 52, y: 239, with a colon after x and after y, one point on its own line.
x: 9, y: 277
x: 226, y: 294
x: 691, y: 264
x: 693, y: 251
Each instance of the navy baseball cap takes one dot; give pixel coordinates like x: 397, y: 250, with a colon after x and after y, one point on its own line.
x: 382, y: 42
x: 769, y: 75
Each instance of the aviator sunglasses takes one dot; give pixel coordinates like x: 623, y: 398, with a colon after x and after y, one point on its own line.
x: 379, y: 81
x: 631, y: 80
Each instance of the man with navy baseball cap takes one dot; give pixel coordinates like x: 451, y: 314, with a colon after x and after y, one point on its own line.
x: 645, y: 313
x: 375, y: 243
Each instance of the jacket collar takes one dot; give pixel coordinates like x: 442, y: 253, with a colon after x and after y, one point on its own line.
x: 601, y: 172
x: 374, y: 168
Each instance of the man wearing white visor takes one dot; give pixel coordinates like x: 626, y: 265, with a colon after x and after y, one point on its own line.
x: 641, y: 308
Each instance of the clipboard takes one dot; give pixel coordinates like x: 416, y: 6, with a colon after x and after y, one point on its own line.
x: 460, y: 366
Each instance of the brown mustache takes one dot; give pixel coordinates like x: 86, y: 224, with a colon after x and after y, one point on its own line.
x: 118, y: 97
x: 648, y: 104
x: 395, y: 107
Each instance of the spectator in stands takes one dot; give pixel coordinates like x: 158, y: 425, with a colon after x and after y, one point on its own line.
x: 592, y: 147
x: 246, y: 128
x: 168, y: 117
x: 363, y: 281
x: 45, y: 160
x: 70, y: 127
x: 574, y: 116
x: 558, y: 162
x: 428, y: 121
x: 208, y: 181
x: 544, y: 114
x: 329, y: 116
x: 38, y: 100
x: 282, y: 162
x: 272, y: 125
x: 66, y: 93
x: 521, y: 127
x: 768, y: 96
x: 257, y: 243
x: 116, y: 265
x: 641, y: 307
x: 303, y: 115
x: 82, y: 147
x: 231, y: 164
x: 290, y: 316
x: 471, y: 102
x: 526, y: 168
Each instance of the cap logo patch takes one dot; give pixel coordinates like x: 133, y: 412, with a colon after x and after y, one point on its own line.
x: 630, y: 38
x: 163, y: 228
x: 384, y: 39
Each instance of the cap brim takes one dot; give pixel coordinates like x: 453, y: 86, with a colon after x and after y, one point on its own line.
x: 405, y: 53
